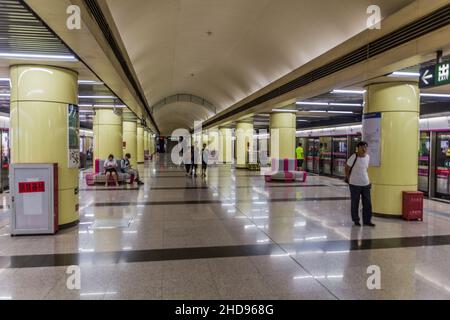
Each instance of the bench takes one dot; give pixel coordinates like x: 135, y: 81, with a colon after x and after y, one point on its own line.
x: 285, y: 170
x: 99, y: 177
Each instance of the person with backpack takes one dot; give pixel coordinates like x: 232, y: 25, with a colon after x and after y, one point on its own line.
x: 126, y: 168
x: 358, y: 179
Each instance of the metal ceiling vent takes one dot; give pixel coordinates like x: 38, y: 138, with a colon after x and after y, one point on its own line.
x: 21, y: 32
x: 434, y: 21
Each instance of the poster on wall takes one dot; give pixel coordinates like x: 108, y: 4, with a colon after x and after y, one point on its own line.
x: 73, y: 136
x: 371, y: 133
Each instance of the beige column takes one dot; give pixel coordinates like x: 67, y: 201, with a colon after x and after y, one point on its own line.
x: 43, y: 100
x: 398, y: 103
x: 282, y: 135
x: 244, y: 143
x: 130, y: 136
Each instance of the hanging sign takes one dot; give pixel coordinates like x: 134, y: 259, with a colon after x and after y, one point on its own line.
x: 435, y: 75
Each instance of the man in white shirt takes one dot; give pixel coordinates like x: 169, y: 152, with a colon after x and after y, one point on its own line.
x: 205, y: 159
x: 358, y: 179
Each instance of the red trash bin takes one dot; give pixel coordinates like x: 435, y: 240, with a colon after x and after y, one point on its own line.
x: 412, y: 205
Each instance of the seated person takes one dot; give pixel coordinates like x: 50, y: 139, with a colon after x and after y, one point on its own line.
x: 110, y: 169
x: 126, y: 167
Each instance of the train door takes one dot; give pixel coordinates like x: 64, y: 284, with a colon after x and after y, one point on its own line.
x: 316, y: 157
x: 325, y: 155
x: 442, y: 151
x: 424, y: 162
x: 352, y: 142
x: 309, y: 150
x: 4, y: 182
x: 339, y: 153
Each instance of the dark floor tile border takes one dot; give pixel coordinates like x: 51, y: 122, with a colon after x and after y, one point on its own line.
x: 206, y: 187
x: 98, y: 258
x: 109, y: 189
x: 198, y: 176
x: 180, y: 188
x: 280, y: 186
x: 165, y: 203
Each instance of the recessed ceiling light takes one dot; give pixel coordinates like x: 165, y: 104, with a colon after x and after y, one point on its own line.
x: 306, y: 103
x: 404, y: 74
x: 337, y: 111
x: 284, y: 110
x: 435, y: 95
x: 108, y: 106
x: 37, y: 56
x: 349, y: 91
x: 97, y: 97
x: 346, y: 104
x: 329, y: 111
x: 90, y: 82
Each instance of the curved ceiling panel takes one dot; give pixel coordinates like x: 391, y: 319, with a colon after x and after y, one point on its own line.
x: 179, y: 116
x: 185, y: 98
x: 226, y: 50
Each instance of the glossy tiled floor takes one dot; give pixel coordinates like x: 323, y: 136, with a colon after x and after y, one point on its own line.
x: 229, y: 236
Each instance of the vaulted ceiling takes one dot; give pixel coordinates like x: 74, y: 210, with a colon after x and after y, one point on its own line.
x: 224, y: 50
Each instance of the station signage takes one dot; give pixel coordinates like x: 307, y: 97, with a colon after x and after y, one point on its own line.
x: 435, y: 75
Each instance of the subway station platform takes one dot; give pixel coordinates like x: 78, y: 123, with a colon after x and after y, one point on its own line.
x: 229, y: 236
x: 281, y: 99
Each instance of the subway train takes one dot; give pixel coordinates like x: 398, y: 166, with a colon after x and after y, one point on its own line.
x: 326, y: 151
x: 5, y: 152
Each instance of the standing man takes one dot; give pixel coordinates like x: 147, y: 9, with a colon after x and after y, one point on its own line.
x: 205, y: 159
x: 180, y: 140
x: 358, y: 179
x: 300, y: 156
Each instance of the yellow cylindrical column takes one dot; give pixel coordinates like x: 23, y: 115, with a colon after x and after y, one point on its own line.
x: 153, y: 143
x: 225, y: 153
x: 40, y: 96
x: 140, y: 142
x: 145, y: 141
x: 197, y: 138
x: 150, y: 143
x: 129, y: 128
x: 205, y: 138
x: 399, y: 105
x: 244, y: 143
x: 282, y: 135
x: 107, y: 134
x: 213, y: 144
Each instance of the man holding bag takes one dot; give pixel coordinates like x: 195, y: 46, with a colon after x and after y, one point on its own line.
x: 358, y: 180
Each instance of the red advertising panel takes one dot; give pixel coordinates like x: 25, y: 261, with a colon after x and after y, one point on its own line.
x: 30, y: 187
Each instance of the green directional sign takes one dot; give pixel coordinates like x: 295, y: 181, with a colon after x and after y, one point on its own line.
x: 442, y: 75
x: 435, y: 75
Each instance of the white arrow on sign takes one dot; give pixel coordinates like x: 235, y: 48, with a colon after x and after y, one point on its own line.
x: 427, y: 75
